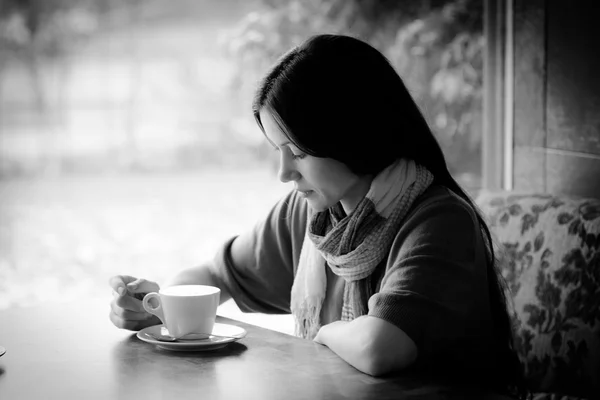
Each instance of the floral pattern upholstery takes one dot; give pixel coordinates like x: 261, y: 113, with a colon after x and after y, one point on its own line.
x: 549, y: 252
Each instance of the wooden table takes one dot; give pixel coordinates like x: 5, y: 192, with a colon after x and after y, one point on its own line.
x: 72, y: 351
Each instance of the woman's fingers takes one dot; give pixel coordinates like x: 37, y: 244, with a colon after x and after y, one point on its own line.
x: 118, y: 283
x: 137, y: 287
x: 130, y: 302
x: 128, y: 319
x: 142, y: 286
x: 127, y: 308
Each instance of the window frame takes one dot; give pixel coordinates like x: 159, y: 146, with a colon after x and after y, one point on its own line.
x: 498, y: 104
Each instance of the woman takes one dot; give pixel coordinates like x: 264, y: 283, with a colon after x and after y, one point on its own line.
x: 378, y: 253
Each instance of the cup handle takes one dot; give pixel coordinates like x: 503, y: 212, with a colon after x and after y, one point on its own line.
x: 158, y: 311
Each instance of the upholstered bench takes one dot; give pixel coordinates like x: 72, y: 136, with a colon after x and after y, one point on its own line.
x: 549, y: 251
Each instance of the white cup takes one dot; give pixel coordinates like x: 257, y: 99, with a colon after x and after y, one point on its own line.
x: 185, y: 309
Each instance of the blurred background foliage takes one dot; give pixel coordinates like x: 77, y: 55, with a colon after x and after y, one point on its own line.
x: 435, y: 45
x: 127, y: 142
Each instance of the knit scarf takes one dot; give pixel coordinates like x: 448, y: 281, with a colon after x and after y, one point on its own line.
x: 353, y: 245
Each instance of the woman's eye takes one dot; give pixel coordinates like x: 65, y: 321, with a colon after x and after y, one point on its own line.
x: 294, y: 155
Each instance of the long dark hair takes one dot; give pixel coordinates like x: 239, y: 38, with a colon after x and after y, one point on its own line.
x: 338, y: 97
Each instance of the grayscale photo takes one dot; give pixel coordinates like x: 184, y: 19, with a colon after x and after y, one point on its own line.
x: 299, y: 199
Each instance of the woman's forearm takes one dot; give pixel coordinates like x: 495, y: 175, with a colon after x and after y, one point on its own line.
x: 369, y: 344
x: 348, y: 342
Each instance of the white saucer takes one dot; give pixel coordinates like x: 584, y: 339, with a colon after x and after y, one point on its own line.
x: 2, y: 351
x: 232, y: 332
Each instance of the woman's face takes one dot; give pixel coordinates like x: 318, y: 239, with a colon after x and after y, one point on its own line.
x: 322, y: 181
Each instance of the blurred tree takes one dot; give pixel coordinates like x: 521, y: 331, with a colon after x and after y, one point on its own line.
x: 39, y: 37
x: 32, y: 31
x: 435, y: 45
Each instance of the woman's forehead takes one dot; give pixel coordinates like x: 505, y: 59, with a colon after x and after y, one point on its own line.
x: 272, y: 129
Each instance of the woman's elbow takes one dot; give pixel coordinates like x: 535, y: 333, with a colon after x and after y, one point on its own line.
x: 380, y: 359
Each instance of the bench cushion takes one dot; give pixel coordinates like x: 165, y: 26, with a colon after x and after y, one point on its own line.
x: 549, y: 251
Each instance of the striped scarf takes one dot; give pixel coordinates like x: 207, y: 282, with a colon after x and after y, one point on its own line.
x: 354, y: 245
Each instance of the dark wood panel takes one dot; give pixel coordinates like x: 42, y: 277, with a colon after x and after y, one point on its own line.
x: 573, y: 104
x: 573, y: 174
x: 529, y: 169
x: 529, y: 73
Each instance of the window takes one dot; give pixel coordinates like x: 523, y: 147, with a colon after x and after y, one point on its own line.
x: 125, y: 125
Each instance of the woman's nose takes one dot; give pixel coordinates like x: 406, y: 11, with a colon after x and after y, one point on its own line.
x: 287, y: 171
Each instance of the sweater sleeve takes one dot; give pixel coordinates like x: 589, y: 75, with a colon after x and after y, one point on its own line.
x: 257, y: 268
x: 435, y: 275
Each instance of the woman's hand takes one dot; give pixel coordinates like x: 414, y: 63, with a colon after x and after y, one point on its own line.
x: 126, y: 310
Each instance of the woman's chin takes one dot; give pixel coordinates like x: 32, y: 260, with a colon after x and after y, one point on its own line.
x: 316, y: 205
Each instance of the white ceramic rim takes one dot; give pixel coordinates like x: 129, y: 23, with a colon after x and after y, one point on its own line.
x: 214, y: 290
